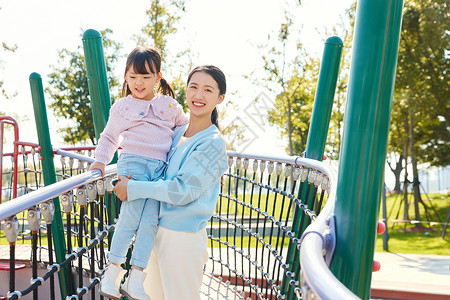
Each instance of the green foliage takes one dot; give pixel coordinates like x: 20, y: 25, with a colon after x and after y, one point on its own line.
x: 70, y: 93
x: 294, y: 86
x: 179, y: 88
x: 345, y: 32
x: 298, y: 98
x: 163, y: 18
x: 422, y: 87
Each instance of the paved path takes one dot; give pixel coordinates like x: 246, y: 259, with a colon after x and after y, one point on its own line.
x: 426, y: 275
x: 402, y: 276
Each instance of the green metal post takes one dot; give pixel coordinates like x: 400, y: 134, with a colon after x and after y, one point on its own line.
x: 48, y: 170
x: 364, y: 144
x: 98, y: 86
x: 97, y: 79
x: 323, y: 101
x: 320, y: 120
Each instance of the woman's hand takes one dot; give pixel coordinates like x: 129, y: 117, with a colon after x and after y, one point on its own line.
x: 121, y: 188
x: 98, y: 166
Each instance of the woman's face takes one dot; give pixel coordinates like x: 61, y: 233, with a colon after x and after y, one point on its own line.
x: 202, y: 94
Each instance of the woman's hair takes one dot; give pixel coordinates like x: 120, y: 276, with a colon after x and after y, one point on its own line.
x: 138, y: 60
x: 218, y: 77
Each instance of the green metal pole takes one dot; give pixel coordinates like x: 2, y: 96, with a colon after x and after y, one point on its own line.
x: 320, y: 120
x: 48, y: 170
x: 97, y: 79
x: 323, y: 101
x: 98, y: 87
x: 364, y: 144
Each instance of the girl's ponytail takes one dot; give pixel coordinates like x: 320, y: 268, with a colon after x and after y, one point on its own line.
x: 164, y: 88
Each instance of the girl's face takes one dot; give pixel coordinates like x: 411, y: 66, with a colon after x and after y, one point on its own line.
x: 142, y: 85
x: 202, y: 95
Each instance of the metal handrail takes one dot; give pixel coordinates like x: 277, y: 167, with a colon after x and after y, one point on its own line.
x: 316, y: 273
x: 75, y: 156
x: 19, y: 204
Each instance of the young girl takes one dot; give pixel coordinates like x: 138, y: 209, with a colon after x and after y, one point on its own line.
x: 188, y: 193
x: 145, y: 120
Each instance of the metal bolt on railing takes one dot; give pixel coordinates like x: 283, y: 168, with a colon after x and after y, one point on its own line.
x: 48, y: 211
x: 108, y: 184
x: 304, y: 174
x: 11, y: 229
x: 246, y: 163
x: 255, y: 165
x: 101, y: 187
x: 34, y: 218
x: 81, y: 196
x: 91, y: 192
x: 262, y: 166
x: 318, y: 179
x: 238, y: 163
x: 67, y: 202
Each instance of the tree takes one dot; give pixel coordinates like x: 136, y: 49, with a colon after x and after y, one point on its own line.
x: 422, y: 78
x: 294, y: 105
x: 420, y: 119
x: 293, y: 83
x: 345, y: 31
x: 164, y: 17
x: 68, y: 88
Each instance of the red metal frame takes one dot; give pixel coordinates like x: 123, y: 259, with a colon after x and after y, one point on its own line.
x: 6, y: 120
x: 10, y: 121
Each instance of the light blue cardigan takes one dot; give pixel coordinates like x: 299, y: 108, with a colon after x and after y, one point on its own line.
x: 190, y: 188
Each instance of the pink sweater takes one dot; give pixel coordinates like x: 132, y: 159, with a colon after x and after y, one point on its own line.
x: 145, y: 126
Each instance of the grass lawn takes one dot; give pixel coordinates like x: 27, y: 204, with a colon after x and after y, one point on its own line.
x: 403, y: 237
x: 412, y: 238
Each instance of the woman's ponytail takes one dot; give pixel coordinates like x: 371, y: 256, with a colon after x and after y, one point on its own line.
x: 215, y: 117
x: 164, y: 88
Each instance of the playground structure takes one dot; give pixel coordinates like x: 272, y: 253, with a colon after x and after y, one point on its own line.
x: 276, y: 216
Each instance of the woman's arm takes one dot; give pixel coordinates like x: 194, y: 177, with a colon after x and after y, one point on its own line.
x: 201, y: 169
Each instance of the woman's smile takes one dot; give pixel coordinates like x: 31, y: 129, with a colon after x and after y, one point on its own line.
x: 198, y: 104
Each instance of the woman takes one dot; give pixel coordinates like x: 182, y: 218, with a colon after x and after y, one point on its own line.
x: 188, y: 193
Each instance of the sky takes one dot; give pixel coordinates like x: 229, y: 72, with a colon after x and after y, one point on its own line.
x: 222, y: 33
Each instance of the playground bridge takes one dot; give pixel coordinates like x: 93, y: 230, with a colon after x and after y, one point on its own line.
x: 284, y: 227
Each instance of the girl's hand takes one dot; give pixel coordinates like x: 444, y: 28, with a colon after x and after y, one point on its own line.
x: 98, y: 166
x: 121, y: 188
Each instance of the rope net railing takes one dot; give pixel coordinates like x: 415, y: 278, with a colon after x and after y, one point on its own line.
x: 68, y: 162
x: 264, y: 205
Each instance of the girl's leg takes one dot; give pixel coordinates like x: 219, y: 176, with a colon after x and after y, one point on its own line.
x: 146, y: 234
x: 130, y: 213
x: 181, y: 256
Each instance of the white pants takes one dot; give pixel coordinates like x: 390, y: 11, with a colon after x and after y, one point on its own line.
x: 175, y: 268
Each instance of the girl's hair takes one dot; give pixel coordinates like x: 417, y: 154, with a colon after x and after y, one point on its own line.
x: 138, y: 60
x: 218, y: 77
